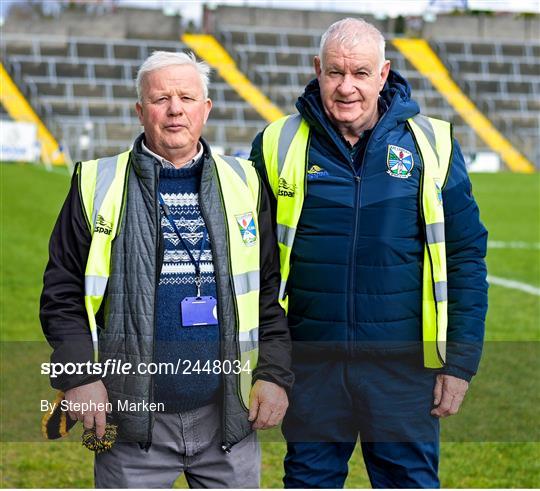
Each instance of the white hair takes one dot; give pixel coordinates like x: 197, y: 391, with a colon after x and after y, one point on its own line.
x: 163, y: 59
x: 350, y: 32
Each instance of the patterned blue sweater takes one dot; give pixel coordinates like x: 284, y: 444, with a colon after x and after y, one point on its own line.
x: 173, y: 342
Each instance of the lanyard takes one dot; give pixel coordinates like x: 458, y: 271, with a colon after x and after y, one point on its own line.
x: 196, y: 264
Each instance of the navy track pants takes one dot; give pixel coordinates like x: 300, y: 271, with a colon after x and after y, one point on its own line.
x: 384, y: 399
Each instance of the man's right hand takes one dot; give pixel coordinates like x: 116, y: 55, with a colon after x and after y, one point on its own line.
x: 94, y: 393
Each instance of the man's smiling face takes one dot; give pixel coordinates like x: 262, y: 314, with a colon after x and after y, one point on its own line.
x: 350, y: 80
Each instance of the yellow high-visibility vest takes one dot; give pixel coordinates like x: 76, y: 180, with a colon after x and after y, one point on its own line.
x: 102, y: 185
x: 285, y: 150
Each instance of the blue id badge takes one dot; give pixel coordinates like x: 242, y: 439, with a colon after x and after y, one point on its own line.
x: 199, y: 311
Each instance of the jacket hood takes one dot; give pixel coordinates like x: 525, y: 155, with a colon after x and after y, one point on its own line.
x: 395, y: 105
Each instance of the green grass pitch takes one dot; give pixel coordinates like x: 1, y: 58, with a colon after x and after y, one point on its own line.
x: 493, y: 442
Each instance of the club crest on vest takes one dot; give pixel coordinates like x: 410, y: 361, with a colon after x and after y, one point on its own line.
x: 248, y: 231
x: 102, y: 226
x: 286, y: 189
x: 399, y: 161
x: 438, y: 189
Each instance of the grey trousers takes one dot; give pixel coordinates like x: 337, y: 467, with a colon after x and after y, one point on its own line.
x: 188, y: 442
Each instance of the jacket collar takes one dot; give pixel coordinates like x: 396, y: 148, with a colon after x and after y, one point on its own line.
x: 145, y: 164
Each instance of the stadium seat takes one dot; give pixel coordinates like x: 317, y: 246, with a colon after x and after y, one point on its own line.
x: 238, y: 134
x: 532, y: 69
x: 126, y: 52
x: 152, y: 46
x: 227, y: 113
x: 19, y: 48
x: 54, y: 49
x: 123, y: 91
x: 103, y: 109
x: 103, y: 70
x: 88, y: 90
x: 513, y: 50
x: 484, y: 86
x: 47, y: 88
x: 64, y: 69
x: 513, y: 104
x: 209, y: 132
x: 284, y: 59
x: 302, y: 40
x: 520, y: 87
x: 533, y: 104
x: 91, y: 50
x: 119, y: 132
x: 469, y: 66
x: 482, y: 49
x: 453, y: 48
x: 62, y: 108
x: 499, y: 67
x: 31, y: 68
x: 268, y: 39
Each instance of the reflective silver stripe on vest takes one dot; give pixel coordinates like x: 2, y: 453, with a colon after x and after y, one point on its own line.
x: 427, y: 128
x: 249, y: 340
x: 285, y: 235
x: 435, y: 233
x: 95, y: 285
x: 246, y: 282
x: 441, y: 294
x: 106, y: 171
x: 236, y: 166
x: 286, y: 137
x: 282, y: 287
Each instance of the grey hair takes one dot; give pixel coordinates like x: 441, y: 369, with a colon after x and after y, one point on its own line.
x: 163, y: 59
x: 350, y: 32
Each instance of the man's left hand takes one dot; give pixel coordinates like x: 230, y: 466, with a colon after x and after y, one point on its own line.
x: 267, y: 405
x: 448, y: 395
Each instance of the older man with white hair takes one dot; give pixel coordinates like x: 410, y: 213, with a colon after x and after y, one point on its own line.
x: 162, y: 281
x: 382, y: 268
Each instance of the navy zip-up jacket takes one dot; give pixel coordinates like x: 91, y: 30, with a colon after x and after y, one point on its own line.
x: 356, y: 263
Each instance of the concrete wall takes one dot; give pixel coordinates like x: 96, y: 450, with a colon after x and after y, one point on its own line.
x: 472, y: 27
x: 484, y: 27
x: 276, y: 18
x: 118, y: 24
x: 152, y: 24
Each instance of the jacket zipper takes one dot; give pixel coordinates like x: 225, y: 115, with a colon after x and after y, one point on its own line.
x: 159, y: 264
x: 226, y: 447
x: 352, y: 309
x: 352, y: 283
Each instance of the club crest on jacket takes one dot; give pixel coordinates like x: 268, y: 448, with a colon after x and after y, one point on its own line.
x: 399, y: 161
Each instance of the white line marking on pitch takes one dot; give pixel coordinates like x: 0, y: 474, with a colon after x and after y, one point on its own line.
x: 514, y: 285
x: 498, y: 244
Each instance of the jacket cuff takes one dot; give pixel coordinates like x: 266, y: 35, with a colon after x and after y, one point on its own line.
x: 78, y: 351
x: 458, y: 372
x: 284, y: 382
x: 70, y: 382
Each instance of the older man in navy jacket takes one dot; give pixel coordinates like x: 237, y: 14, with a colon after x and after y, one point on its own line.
x: 355, y: 284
